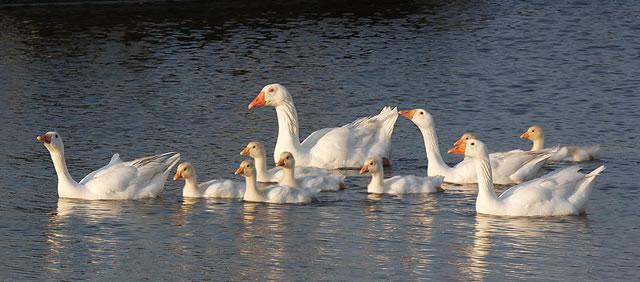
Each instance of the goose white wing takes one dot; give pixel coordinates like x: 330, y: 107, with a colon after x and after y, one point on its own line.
x: 349, y: 145
x: 143, y: 177
x: 558, y: 183
x: 115, y: 159
x: 222, y: 188
x: 411, y: 184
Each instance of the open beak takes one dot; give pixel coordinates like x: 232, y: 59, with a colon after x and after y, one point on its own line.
x: 458, y: 149
x: 258, y: 101
x: 364, y: 169
x: 177, y: 176
x: 408, y: 114
x: 240, y: 170
x: 280, y: 162
x: 44, y: 138
x: 525, y: 135
x: 245, y: 151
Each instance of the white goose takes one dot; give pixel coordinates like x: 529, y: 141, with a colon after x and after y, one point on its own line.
x: 256, y: 151
x: 118, y: 180
x: 560, y: 153
x: 508, y: 168
x: 217, y: 188
x: 340, y: 147
x: 271, y: 194
x: 562, y: 192
x: 405, y: 184
x: 289, y: 177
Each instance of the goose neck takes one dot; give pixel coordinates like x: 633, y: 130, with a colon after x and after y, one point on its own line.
x: 191, y: 185
x: 289, y: 178
x: 288, y: 138
x: 436, y: 164
x: 376, y: 185
x: 65, y: 182
x: 486, y: 191
x: 538, y: 144
x: 261, y: 168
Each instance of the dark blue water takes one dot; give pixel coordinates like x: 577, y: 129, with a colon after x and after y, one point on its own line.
x: 146, y: 79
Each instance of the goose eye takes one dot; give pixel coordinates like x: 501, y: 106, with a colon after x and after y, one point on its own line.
x: 472, y: 143
x: 270, y: 89
x: 533, y: 130
x: 287, y: 158
x: 56, y: 136
x: 371, y: 163
x: 254, y: 146
x: 422, y: 113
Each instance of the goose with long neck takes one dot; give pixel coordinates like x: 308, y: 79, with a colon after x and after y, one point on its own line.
x: 562, y: 192
x: 217, y: 188
x: 564, y: 153
x: 511, y: 167
x: 118, y: 180
x: 274, y: 193
x: 400, y: 184
x: 331, y: 148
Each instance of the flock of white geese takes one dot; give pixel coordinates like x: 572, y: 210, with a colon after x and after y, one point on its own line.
x: 307, y: 168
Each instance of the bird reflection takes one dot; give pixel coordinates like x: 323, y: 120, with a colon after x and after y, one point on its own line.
x: 262, y: 239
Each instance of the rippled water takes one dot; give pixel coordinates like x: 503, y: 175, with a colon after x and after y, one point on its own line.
x: 143, y: 79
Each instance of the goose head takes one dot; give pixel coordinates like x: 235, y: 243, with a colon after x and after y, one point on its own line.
x: 286, y: 160
x: 371, y: 165
x: 246, y: 168
x: 533, y: 133
x: 185, y: 171
x: 472, y: 148
x: 466, y: 136
x: 270, y: 95
x: 52, y: 141
x: 420, y: 117
x: 253, y: 149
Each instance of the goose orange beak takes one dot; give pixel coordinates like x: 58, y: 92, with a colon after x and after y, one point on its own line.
x: 525, y: 135
x: 44, y: 138
x: 458, y: 149
x: 280, y: 162
x: 364, y: 169
x: 458, y: 142
x: 245, y: 151
x: 240, y: 170
x: 408, y: 114
x: 257, y: 102
x: 177, y: 176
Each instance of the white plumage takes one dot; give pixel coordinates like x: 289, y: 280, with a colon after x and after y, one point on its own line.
x: 339, y: 147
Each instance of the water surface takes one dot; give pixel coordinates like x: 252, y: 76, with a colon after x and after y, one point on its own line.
x: 146, y: 79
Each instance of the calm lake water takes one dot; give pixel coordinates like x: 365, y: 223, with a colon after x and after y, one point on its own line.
x: 141, y: 80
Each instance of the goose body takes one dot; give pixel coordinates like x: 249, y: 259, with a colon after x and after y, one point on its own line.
x: 562, y: 192
x: 217, y: 188
x: 397, y: 185
x: 332, y: 148
x: 118, y: 180
x: 307, y: 176
x: 509, y: 167
x: 561, y: 153
x: 277, y: 194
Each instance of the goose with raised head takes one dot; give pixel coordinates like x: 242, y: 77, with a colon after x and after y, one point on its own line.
x: 277, y: 194
x: 217, y: 188
x: 508, y: 168
x: 560, y: 153
x: 289, y: 178
x: 118, y: 180
x: 562, y: 192
x: 256, y: 150
x: 400, y: 184
x: 332, y: 148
